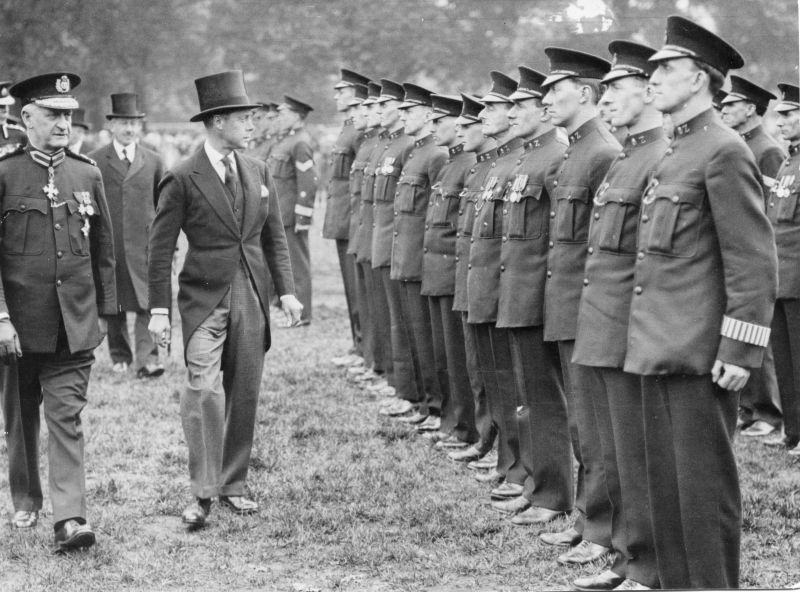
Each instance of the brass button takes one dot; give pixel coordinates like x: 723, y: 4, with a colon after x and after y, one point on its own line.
x: 395, y: 233
x: 60, y: 254
x: 460, y: 212
x: 427, y: 226
x: 645, y: 218
x: 590, y: 250
x: 585, y: 281
x: 456, y: 259
x: 552, y: 214
x: 505, y: 211
x: 58, y: 282
x: 494, y: 164
x: 640, y: 256
x: 471, y: 240
x: 675, y: 199
x: 424, y: 249
x: 555, y: 183
x: 670, y: 150
x: 505, y: 239
x: 596, y: 215
x: 469, y: 266
x: 58, y: 226
x: 23, y: 207
x: 549, y: 273
x: 502, y: 268
x: 637, y: 290
x: 552, y: 244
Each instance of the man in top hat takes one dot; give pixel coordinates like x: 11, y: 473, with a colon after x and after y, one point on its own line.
x: 784, y: 214
x: 457, y: 427
x: 483, y: 282
x: 544, y: 440
x: 602, y: 335
x: 12, y: 135
x: 57, y: 280
x: 131, y: 174
x: 424, y: 160
x: 390, y: 158
x: 703, y: 295
x: 571, y: 96
x: 742, y: 109
x: 337, y: 210
x: 291, y: 164
x: 482, y: 148
x: 80, y: 127
x: 227, y: 206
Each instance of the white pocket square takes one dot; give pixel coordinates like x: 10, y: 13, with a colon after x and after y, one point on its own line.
x: 264, y: 191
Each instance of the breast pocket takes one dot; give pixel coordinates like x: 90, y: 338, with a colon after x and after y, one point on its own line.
x: 617, y: 209
x: 411, y: 194
x: 77, y: 228
x: 526, y: 217
x: 280, y: 166
x: 356, y: 178
x: 572, y: 213
x: 385, y: 185
x: 24, y: 225
x: 341, y: 161
x: 466, y: 212
x: 489, y: 217
x: 444, y: 207
x: 787, y: 206
x: 673, y: 218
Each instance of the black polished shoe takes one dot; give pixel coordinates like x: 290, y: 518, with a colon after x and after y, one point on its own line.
x: 74, y: 535
x: 150, y: 371
x: 197, y: 512
x: 605, y: 580
x: 238, y: 504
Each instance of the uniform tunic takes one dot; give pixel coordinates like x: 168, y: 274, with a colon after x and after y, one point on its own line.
x: 769, y: 155
x: 387, y: 175
x: 367, y: 144
x: 338, y: 211
x: 291, y: 165
x: 12, y: 136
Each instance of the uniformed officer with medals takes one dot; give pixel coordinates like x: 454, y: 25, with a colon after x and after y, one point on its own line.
x: 57, y: 269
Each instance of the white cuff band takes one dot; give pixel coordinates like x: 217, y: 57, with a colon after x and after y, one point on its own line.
x: 159, y: 311
x: 745, y: 332
x: 303, y: 211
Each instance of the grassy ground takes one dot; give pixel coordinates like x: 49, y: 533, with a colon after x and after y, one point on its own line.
x: 350, y: 501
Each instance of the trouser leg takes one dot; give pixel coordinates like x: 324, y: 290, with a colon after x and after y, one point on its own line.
x: 760, y: 396
x: 428, y: 372
x: 119, y: 345
x: 786, y: 347
x: 382, y: 323
x: 405, y: 377
x: 363, y: 281
x: 301, y: 268
x: 487, y: 430
x: 347, y: 269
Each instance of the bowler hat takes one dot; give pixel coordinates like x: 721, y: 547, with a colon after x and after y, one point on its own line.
x: 123, y: 105
x: 51, y: 91
x: 220, y: 93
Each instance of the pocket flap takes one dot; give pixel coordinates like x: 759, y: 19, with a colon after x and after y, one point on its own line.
x: 20, y: 203
x: 620, y: 195
x: 686, y: 194
x: 572, y: 193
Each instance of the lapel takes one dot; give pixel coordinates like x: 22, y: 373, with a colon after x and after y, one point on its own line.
x: 207, y: 181
x: 137, y: 164
x: 251, y: 188
x: 114, y: 162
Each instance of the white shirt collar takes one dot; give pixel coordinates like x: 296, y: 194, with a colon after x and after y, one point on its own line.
x: 121, y: 150
x: 216, y: 157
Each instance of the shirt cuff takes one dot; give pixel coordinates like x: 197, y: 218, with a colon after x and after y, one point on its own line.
x: 159, y: 311
x: 303, y: 211
x: 287, y: 296
x: 4, y: 316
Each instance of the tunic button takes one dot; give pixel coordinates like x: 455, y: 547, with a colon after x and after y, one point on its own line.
x: 502, y: 268
x: 675, y: 199
x: 424, y: 249
x: 505, y: 211
x: 772, y: 204
x: 460, y: 212
x: 486, y: 224
x: 549, y: 273
x: 23, y: 207
x: 494, y: 164
x: 395, y: 212
x: 426, y: 227
x: 591, y: 250
x: 596, y: 216
x: 472, y: 240
x: 60, y: 254
x: 458, y: 235
x: 395, y: 233
x: 555, y: 183
x: 552, y: 244
x: 566, y: 156
x: 640, y: 256
x: 645, y: 218
x: 552, y: 214
x: 585, y: 281
x: 469, y: 266
x: 456, y: 259
x: 58, y: 226
x: 670, y: 150
x: 505, y: 238
x: 58, y: 282
x: 637, y: 290
x: 622, y: 155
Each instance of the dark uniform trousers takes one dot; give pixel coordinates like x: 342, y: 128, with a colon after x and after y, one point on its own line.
x: 543, y: 427
x: 218, y: 411
x: 696, y: 522
x: 363, y: 302
x: 458, y: 408
x: 404, y: 367
x: 347, y: 266
x: 119, y: 345
x: 786, y: 345
x: 58, y: 381
x: 301, y: 268
x: 487, y: 430
x: 760, y: 396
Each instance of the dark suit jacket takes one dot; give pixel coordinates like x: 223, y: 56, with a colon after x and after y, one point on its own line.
x: 131, y: 194
x: 192, y: 198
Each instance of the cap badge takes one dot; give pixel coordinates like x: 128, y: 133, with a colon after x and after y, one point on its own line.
x: 62, y: 84
x: 4, y: 92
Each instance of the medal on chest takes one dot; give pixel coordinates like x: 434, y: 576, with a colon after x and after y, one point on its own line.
x: 517, y: 187
x: 783, y: 188
x: 488, y: 192
x: 388, y: 166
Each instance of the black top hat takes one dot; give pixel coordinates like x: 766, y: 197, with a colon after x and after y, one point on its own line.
x: 569, y: 63
x: 79, y: 119
x: 415, y: 95
x: 744, y: 90
x: 360, y: 92
x: 349, y: 78
x: 502, y: 88
x: 123, y: 105
x: 790, y: 98
x: 470, y: 108
x: 686, y: 39
x: 220, y: 93
x: 716, y: 102
x: 445, y: 106
x: 629, y: 59
x: 390, y: 91
x: 297, y: 106
x: 5, y: 97
x: 48, y: 90
x: 530, y: 84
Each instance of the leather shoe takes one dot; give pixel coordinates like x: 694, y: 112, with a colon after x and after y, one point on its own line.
x: 758, y: 429
x: 535, y: 515
x: 238, y: 504
x: 780, y: 441
x: 506, y: 490
x: 634, y: 585
x: 25, y: 519
x: 73, y: 535
x: 492, y: 476
x: 396, y: 407
x: 413, y: 419
x: 583, y: 553
x: 486, y: 462
x: 197, y: 513
x: 565, y: 538
x: 605, y: 580
x: 451, y: 442
x: 512, y: 506
x: 150, y: 371
x: 431, y: 424
x: 119, y: 367
x: 466, y: 455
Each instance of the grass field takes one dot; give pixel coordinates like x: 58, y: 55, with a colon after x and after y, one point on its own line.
x: 350, y: 501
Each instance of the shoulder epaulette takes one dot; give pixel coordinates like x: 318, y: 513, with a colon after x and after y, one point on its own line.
x: 14, y: 152
x: 82, y: 157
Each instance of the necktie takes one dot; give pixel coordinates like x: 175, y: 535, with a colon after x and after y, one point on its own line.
x: 126, y: 159
x: 230, y: 176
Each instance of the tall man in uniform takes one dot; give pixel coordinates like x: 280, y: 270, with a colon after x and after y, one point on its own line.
x: 57, y: 272
x: 337, y: 211
x: 742, y: 110
x: 131, y: 174
x: 424, y: 160
x: 227, y: 207
x: 602, y: 336
x: 784, y: 213
x: 264, y: 138
x: 572, y: 92
x: 12, y: 135
x: 457, y: 427
x: 544, y: 439
x: 291, y: 164
x: 703, y: 297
